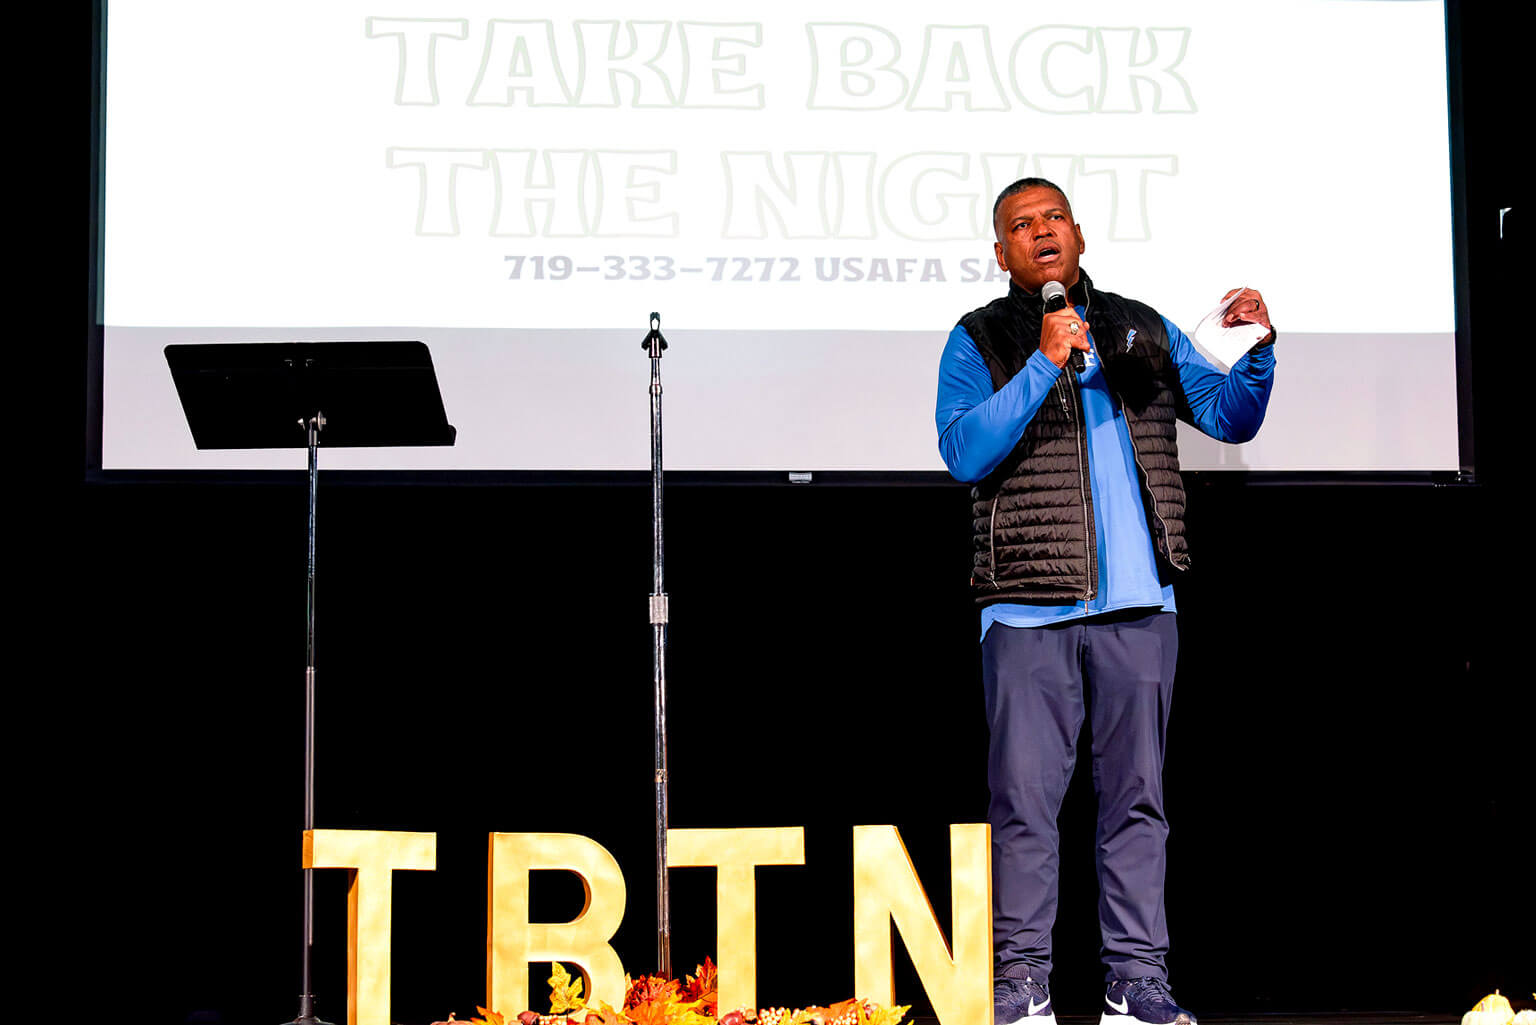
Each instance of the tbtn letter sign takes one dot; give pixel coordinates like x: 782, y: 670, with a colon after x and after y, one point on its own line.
x: 956, y: 974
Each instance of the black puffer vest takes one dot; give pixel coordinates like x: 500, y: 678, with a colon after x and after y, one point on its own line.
x: 1032, y: 517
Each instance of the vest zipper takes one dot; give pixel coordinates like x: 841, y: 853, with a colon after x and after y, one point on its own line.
x: 1090, y: 541
x: 1090, y: 535
x: 992, y: 538
x: 1146, y: 482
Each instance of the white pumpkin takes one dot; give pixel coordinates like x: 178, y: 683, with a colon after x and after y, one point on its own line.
x: 1493, y: 1009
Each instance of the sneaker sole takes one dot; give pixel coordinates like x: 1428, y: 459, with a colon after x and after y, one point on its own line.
x: 1033, y: 1019
x: 1130, y: 1019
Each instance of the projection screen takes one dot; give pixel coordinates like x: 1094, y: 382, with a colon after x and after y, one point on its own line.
x: 802, y: 191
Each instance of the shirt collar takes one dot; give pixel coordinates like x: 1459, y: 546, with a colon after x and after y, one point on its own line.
x: 1077, y: 295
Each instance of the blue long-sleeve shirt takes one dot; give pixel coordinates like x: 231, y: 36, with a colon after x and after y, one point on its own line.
x: 978, y: 427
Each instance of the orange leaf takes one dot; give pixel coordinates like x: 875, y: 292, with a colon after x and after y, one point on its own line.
x: 603, y: 1015
x: 702, y: 987
x: 706, y: 978
x: 649, y: 1013
x: 841, y: 1008
x: 649, y: 989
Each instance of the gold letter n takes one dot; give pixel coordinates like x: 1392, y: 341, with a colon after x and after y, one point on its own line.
x: 886, y: 889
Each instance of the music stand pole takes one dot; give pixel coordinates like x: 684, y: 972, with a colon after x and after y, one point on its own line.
x: 306, y: 996
x: 654, y: 344
x: 381, y: 394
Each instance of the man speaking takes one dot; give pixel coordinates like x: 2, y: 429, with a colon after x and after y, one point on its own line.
x: 1078, y: 533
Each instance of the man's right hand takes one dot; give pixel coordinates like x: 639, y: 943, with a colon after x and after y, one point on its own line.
x: 1060, y: 333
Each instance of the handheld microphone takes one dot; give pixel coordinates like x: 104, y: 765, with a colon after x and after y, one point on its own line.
x: 1055, y: 295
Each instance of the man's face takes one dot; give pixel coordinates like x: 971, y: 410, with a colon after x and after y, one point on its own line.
x: 1037, y: 240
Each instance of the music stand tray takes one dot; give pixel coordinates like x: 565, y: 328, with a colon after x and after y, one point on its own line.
x: 251, y: 395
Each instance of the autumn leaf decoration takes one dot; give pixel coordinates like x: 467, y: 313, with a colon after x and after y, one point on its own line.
x: 875, y: 1014
x: 701, y: 987
x: 564, y: 992
x: 669, y: 1010
x: 649, y: 989
x: 486, y: 1017
x: 655, y: 1000
x: 604, y: 1015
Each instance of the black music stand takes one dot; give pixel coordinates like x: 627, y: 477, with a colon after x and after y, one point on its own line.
x: 281, y: 395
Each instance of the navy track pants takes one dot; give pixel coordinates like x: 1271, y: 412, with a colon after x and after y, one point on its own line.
x: 1039, y: 683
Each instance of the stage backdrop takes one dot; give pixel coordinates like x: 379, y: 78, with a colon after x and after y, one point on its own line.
x: 803, y: 190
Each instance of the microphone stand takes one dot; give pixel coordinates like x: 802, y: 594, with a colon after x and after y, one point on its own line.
x: 307, y: 1016
x: 654, y: 344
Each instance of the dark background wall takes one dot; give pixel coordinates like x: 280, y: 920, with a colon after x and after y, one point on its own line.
x: 1349, y: 775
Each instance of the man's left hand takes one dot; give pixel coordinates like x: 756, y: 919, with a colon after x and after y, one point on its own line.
x: 1248, y: 308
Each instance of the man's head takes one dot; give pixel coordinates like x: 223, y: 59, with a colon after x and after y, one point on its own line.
x: 1037, y: 239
